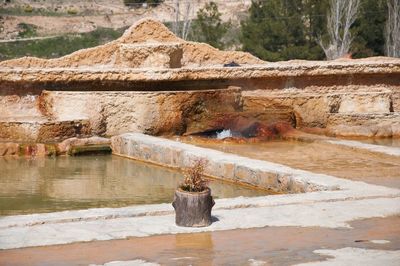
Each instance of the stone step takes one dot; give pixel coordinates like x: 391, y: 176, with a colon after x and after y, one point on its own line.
x: 364, y: 125
x: 71, y: 146
x: 42, y: 129
x: 312, y: 108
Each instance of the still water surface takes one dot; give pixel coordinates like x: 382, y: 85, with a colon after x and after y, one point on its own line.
x: 336, y: 160
x: 67, y: 183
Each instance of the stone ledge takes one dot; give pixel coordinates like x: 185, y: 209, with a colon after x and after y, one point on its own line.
x: 267, y: 70
x: 43, y: 131
x: 228, y: 166
x: 364, y: 125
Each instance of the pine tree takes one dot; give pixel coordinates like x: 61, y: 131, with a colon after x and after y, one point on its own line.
x: 281, y: 30
x: 209, y: 27
x: 369, y: 29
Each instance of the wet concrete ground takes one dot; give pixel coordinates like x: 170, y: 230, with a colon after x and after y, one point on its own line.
x: 271, y: 245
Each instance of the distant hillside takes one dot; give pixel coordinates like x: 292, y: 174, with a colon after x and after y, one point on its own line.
x: 55, y: 17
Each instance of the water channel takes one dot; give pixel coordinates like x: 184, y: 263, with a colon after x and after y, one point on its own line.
x: 69, y: 183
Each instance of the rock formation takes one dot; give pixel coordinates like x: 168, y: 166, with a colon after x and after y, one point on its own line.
x: 151, y: 81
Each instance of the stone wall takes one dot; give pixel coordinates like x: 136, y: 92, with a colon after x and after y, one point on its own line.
x: 57, y: 115
x: 155, y: 113
x: 153, y: 82
x: 352, y: 108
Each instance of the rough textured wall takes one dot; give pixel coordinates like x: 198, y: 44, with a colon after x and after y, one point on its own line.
x: 151, y: 81
x: 353, y: 105
x: 156, y: 113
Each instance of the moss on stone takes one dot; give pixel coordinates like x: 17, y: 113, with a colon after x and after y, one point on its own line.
x: 51, y: 149
x: 78, y: 150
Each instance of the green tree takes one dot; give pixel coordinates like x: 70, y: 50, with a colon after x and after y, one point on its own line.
x: 288, y: 29
x: 282, y: 30
x: 208, y: 26
x: 368, y: 30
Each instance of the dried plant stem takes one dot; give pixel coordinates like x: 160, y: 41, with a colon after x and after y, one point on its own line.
x: 194, y: 181
x: 392, y: 34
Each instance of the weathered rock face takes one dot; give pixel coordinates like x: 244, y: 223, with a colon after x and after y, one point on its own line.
x: 32, y: 130
x: 156, y: 113
x: 341, y: 110
x: 65, y: 147
x: 369, y: 125
x: 153, y: 82
x: 151, y: 55
x: 7, y: 149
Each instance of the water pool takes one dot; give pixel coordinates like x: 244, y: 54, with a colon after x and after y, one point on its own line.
x: 69, y: 183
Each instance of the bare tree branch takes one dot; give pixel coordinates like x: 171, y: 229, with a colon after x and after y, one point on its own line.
x: 341, y: 17
x: 182, y: 22
x: 392, y: 33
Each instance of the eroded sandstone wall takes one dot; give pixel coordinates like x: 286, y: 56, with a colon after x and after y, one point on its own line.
x: 153, y: 82
x: 353, y: 105
x: 155, y: 113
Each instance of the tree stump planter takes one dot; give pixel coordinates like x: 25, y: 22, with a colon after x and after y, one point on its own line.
x: 193, y: 209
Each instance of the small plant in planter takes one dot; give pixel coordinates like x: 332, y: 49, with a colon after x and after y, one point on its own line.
x: 193, y: 201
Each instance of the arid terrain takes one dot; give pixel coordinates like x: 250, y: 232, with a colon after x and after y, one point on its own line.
x: 69, y: 16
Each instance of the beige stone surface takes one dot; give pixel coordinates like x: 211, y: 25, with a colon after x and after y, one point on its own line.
x: 150, y: 54
x: 97, y: 69
x: 65, y: 146
x: 364, y: 125
x: 43, y: 131
x: 7, y: 149
x: 317, y: 107
x: 112, y: 113
x: 16, y: 105
x: 365, y: 103
x: 199, y: 61
x: 153, y: 82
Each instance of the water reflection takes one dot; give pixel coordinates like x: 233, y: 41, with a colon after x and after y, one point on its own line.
x: 193, y: 249
x: 64, y: 183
